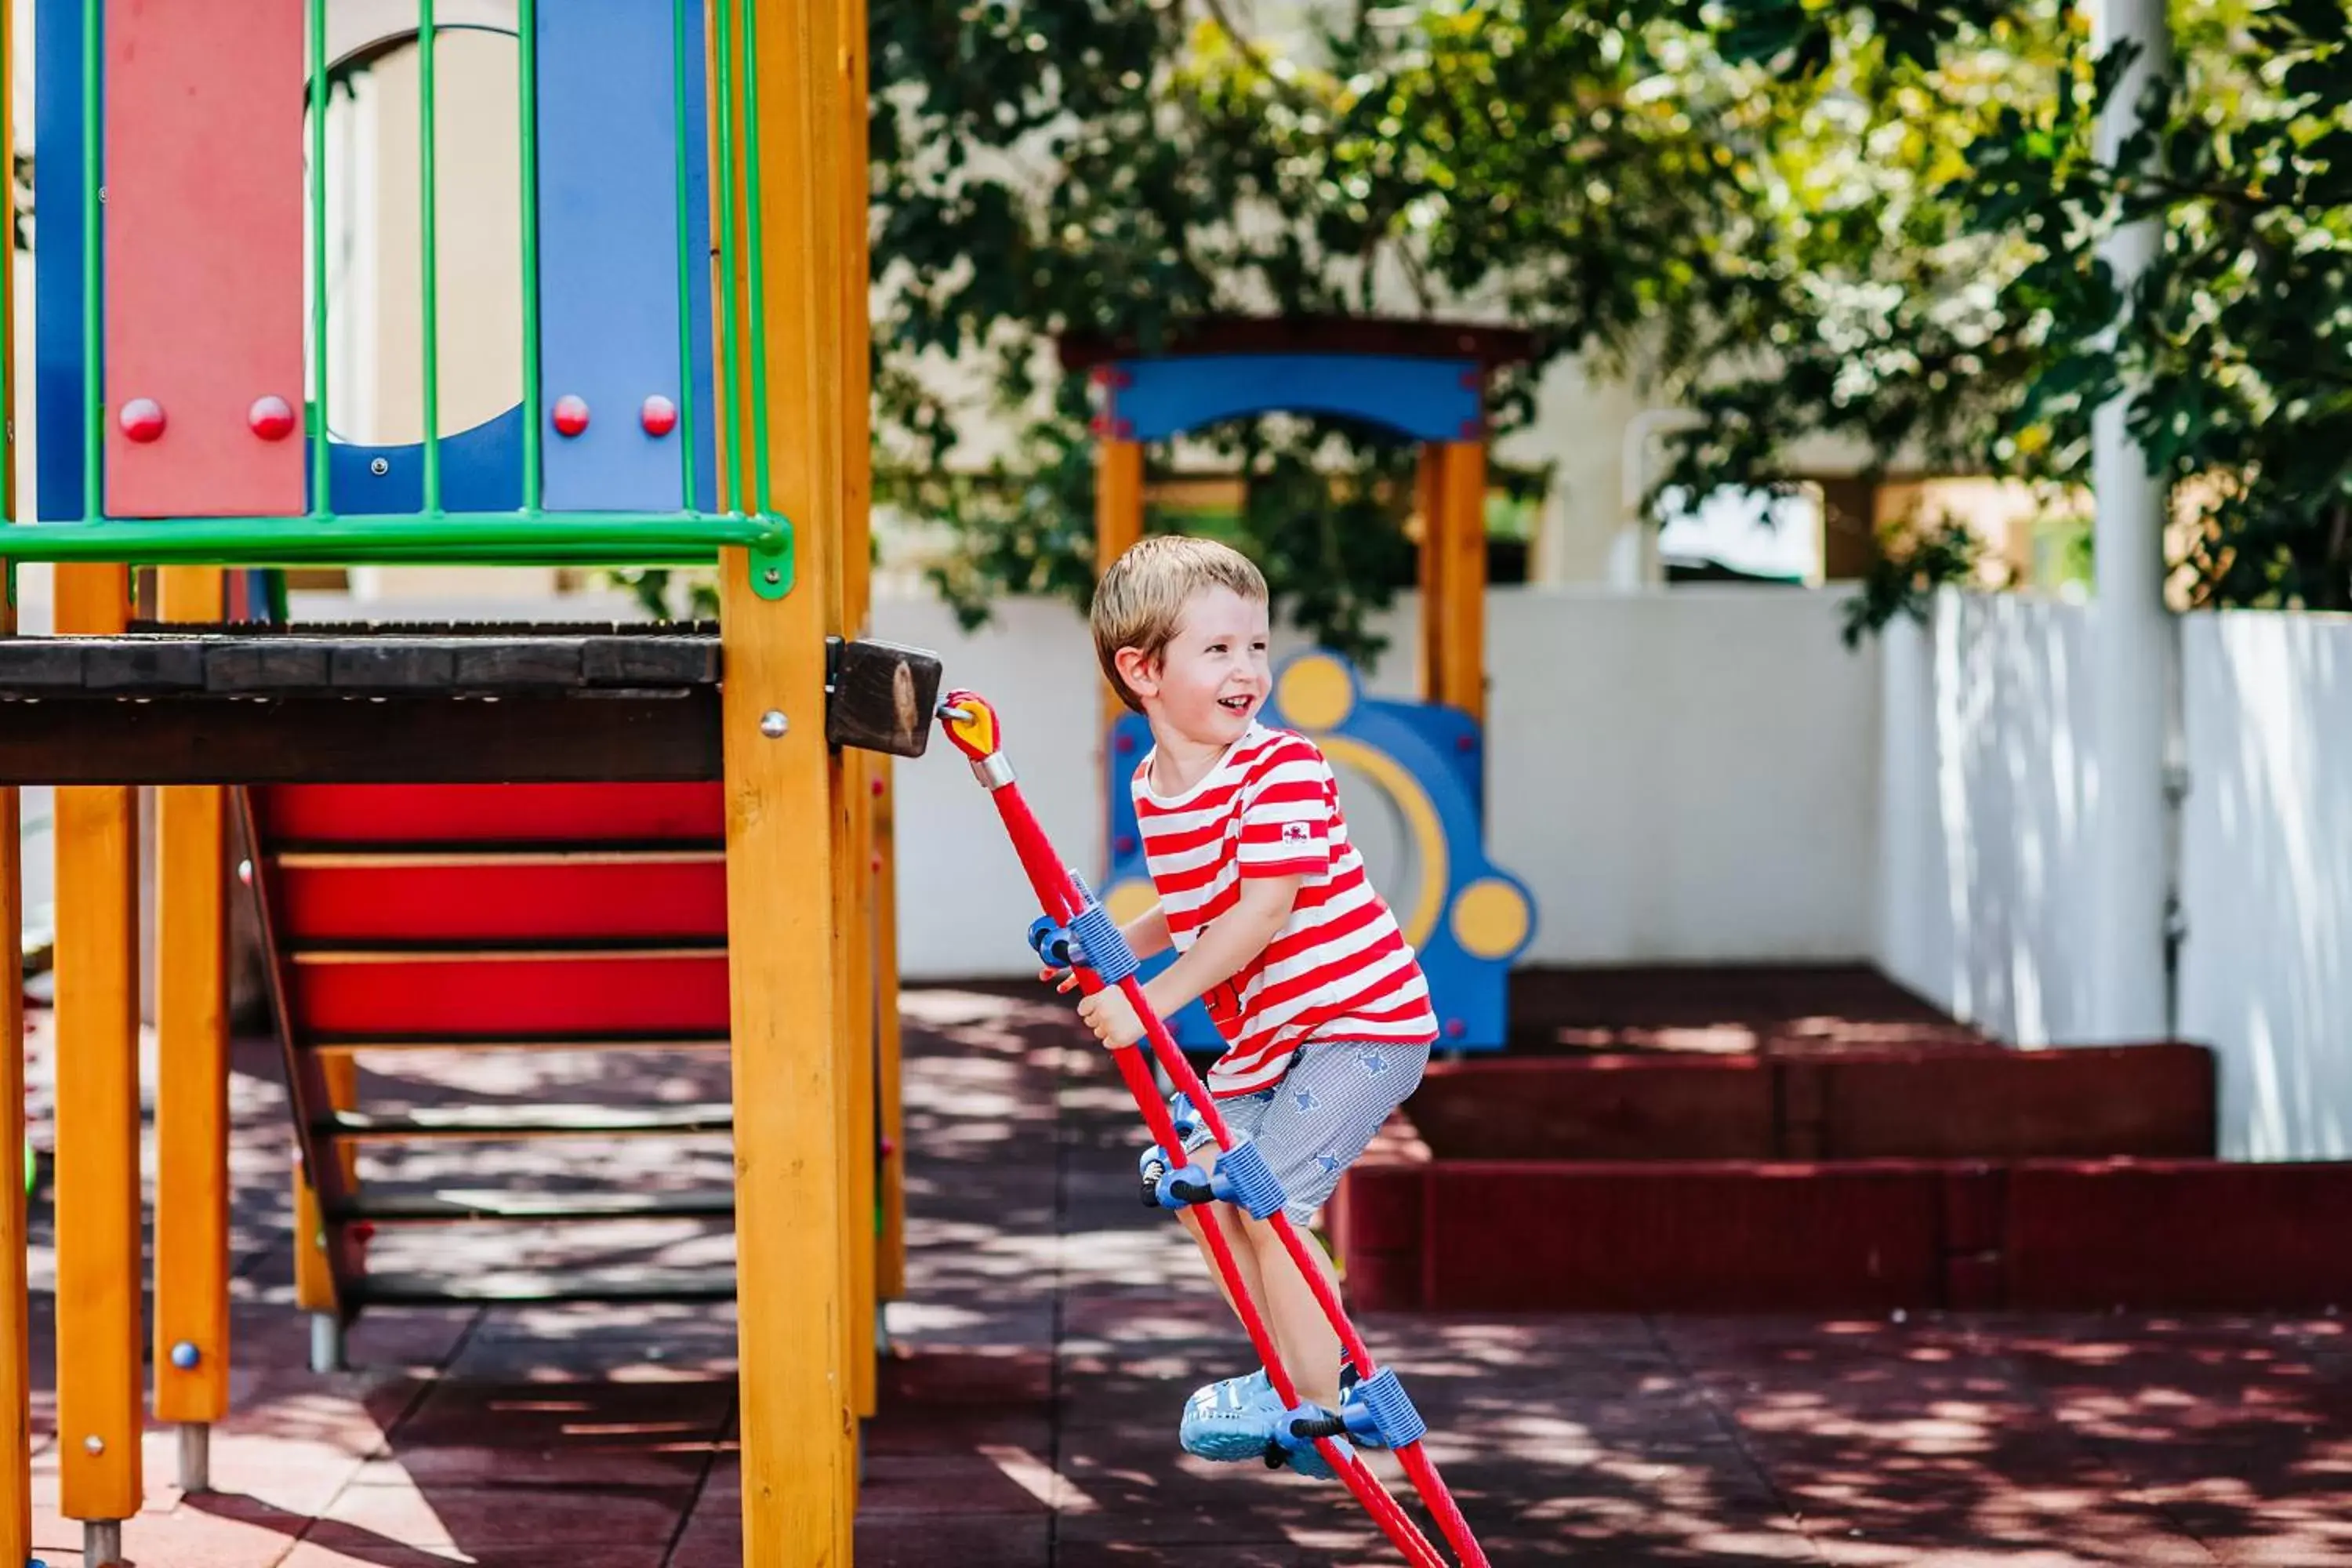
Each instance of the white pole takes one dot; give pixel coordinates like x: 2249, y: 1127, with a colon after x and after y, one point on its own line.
x: 2130, y: 638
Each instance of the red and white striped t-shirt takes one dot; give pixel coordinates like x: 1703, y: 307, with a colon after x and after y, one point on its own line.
x: 1339, y: 968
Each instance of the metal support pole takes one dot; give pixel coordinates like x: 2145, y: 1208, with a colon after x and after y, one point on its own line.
x: 2131, y: 636
x: 326, y: 1342
x: 196, y: 1456
x: 101, y: 1543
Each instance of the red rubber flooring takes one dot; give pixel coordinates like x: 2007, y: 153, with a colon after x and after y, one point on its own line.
x: 1053, y: 1327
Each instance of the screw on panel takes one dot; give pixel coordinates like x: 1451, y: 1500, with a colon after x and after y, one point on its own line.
x: 379, y: 468
x: 774, y: 724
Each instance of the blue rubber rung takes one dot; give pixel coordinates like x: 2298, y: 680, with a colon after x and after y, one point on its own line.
x: 1380, y: 1403
x: 1244, y: 1178
x: 1175, y: 1186
x: 1051, y: 941
x: 1102, y: 944
x: 1181, y: 1112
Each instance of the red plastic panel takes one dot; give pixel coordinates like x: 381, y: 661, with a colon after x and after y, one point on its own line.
x: 494, y: 903
x: 204, y: 257
x: 2180, y: 1234
x: 534, y: 995
x: 1703, y: 1237
x: 535, y: 814
x: 1602, y: 1107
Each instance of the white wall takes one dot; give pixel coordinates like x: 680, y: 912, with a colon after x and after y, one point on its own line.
x: 1983, y: 793
x: 1684, y: 776
x: 2266, y: 876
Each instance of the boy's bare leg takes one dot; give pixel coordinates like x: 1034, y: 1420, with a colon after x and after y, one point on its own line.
x: 1309, y: 1345
x: 1237, y: 1242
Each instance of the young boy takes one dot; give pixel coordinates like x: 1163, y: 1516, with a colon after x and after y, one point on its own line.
x: 1321, y: 1001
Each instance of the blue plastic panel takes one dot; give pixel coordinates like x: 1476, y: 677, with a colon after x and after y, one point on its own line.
x: 60, y: 395
x: 608, y: 248
x: 481, y: 471
x: 1426, y: 399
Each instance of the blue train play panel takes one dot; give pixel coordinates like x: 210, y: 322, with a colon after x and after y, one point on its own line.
x: 1421, y: 763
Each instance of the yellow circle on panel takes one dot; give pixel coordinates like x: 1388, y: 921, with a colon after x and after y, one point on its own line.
x: 1419, y: 917
x: 1316, y: 693
x: 1490, y: 919
x: 1129, y: 898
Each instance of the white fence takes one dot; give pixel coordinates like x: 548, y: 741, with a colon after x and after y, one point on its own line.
x: 1982, y: 864
x: 1683, y: 775
x: 1983, y: 869
x: 2266, y: 876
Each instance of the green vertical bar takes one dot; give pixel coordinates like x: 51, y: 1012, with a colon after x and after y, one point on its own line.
x: 527, y: 27
x: 687, y: 252
x: 321, y: 503
x: 428, y: 201
x: 729, y: 401
x: 93, y: 168
x: 748, y: 80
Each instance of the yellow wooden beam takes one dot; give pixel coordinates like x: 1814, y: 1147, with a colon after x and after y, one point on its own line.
x: 191, y: 1244
x: 314, y: 1276
x: 851, y: 340
x: 786, y: 829
x: 890, y: 1268
x: 16, y: 1339
x: 1118, y: 523
x: 1429, y: 506
x: 1460, y: 613
x: 99, y: 1259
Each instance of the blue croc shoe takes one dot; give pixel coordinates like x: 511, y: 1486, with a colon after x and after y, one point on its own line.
x: 1230, y: 1420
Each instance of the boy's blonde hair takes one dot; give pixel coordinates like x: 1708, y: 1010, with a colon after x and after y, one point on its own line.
x: 1142, y: 599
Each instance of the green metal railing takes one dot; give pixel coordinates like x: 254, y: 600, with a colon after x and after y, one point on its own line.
x: 433, y: 535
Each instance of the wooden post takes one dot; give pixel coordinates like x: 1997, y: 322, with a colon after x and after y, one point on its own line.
x: 850, y: 335
x: 785, y: 828
x: 1459, y: 668
x: 314, y: 1275
x: 1118, y: 523
x: 1429, y: 503
x: 890, y: 1267
x: 15, y: 1306
x: 99, y: 1256
x: 191, y: 1244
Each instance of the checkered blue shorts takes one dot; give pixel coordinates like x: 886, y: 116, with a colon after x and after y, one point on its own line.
x: 1320, y: 1119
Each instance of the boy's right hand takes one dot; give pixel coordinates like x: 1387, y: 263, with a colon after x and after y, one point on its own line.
x: 1060, y: 979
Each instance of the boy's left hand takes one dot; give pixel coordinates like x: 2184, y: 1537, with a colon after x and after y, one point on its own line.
x: 1112, y: 1018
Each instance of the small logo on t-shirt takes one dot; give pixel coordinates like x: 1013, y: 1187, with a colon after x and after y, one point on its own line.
x: 1295, y: 833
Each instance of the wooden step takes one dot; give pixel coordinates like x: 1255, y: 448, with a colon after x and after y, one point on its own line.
x: 315, y: 815
x: 460, y: 1206
x: 501, y: 1121
x: 458, y: 1040
x: 401, y: 855
x: 442, y: 951
x: 527, y: 1285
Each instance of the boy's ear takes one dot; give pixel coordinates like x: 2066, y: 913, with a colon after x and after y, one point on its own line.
x: 1139, y: 669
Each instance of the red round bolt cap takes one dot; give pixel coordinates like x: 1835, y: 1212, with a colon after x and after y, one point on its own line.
x: 888, y: 1148
x: 660, y: 416
x: 878, y: 787
x: 142, y: 419
x: 271, y: 417
x: 571, y: 414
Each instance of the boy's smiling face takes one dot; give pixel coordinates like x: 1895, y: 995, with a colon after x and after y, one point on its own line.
x: 1214, y: 674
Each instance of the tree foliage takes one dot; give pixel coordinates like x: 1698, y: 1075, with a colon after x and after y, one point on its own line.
x: 1879, y: 221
